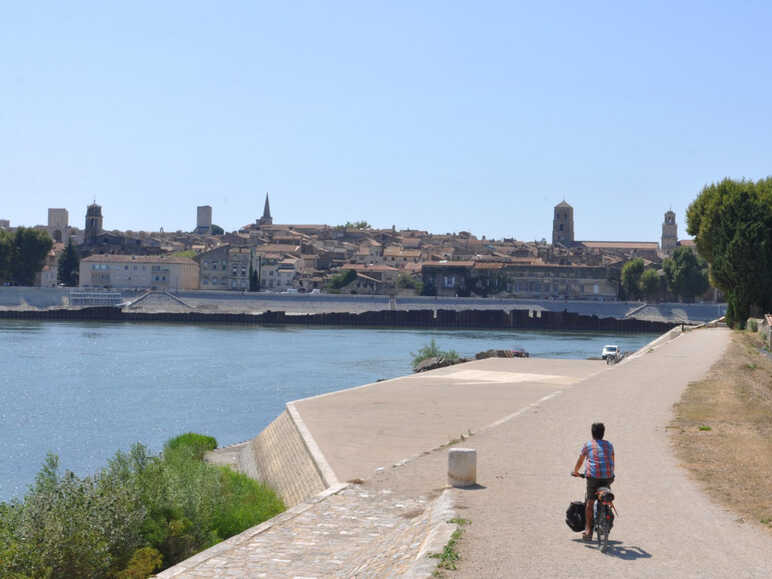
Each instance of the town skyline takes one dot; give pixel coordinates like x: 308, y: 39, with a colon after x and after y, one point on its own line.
x: 78, y: 221
x: 440, y: 116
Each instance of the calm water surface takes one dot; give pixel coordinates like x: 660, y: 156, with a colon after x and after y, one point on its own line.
x: 85, y: 390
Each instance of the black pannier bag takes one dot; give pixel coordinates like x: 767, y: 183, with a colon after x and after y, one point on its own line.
x: 575, y: 516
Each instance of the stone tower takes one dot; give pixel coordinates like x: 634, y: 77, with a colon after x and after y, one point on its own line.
x: 266, y: 219
x: 669, y: 233
x: 93, y: 222
x: 563, y: 224
x: 58, y: 225
x: 203, y: 219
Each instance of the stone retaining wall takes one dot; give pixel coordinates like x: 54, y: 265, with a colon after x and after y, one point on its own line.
x: 280, y: 457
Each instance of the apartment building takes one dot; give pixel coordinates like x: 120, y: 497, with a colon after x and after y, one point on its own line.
x: 139, y: 271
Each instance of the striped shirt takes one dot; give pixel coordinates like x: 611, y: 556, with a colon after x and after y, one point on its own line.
x: 600, y: 459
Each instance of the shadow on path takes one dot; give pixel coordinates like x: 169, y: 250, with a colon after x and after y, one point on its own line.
x: 619, y: 550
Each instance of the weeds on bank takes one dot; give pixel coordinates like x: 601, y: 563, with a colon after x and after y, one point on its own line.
x: 721, y: 431
x: 449, y: 555
x: 461, y: 438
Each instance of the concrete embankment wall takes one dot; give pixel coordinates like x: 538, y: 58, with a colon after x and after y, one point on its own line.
x: 280, y: 457
x: 495, y: 319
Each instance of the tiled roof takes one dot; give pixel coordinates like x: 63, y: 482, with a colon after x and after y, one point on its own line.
x: 621, y: 244
x: 102, y: 258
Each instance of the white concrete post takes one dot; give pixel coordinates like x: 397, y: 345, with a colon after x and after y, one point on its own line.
x: 462, y: 467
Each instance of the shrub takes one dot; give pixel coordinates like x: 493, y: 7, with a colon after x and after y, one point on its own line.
x: 753, y: 326
x: 432, y: 351
x: 139, y: 512
x: 190, y: 442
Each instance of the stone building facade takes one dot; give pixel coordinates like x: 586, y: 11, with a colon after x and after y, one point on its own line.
x: 538, y: 281
x: 225, y: 268
x: 138, y: 272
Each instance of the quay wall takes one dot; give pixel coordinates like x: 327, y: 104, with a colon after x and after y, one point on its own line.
x: 487, y: 319
x: 279, y: 457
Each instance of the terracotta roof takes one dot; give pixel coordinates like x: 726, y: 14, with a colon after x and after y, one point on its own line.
x: 621, y: 244
x: 277, y: 248
x: 101, y: 258
x: 446, y: 264
x: 361, y: 267
x: 687, y: 243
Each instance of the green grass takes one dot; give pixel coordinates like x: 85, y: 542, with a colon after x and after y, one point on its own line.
x: 705, y: 428
x: 191, y: 253
x: 449, y: 555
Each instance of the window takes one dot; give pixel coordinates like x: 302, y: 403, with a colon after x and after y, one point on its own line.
x: 126, y: 267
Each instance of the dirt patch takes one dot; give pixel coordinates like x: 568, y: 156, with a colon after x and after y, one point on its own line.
x: 722, y: 431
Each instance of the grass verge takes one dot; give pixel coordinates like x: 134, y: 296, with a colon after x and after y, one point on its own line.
x: 449, y: 556
x: 722, y: 431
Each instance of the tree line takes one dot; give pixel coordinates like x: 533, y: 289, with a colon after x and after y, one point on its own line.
x: 684, y: 275
x: 22, y: 255
x: 732, y: 224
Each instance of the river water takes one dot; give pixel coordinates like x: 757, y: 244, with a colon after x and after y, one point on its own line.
x: 84, y: 390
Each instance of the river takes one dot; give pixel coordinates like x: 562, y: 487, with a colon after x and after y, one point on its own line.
x: 85, y: 390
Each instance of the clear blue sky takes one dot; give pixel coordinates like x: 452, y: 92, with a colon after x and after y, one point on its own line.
x: 444, y: 116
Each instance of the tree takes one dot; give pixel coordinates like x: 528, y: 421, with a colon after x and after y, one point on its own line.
x: 650, y: 284
x: 686, y: 273
x: 254, y: 284
x: 631, y: 278
x: 68, y: 270
x: 342, y: 279
x: 355, y: 225
x: 732, y: 225
x: 30, y: 248
x: 6, y: 254
x: 407, y: 281
x: 217, y: 230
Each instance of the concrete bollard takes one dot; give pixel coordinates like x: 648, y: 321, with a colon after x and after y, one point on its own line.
x: 462, y: 467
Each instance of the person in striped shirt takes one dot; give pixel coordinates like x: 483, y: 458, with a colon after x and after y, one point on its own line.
x: 599, y: 471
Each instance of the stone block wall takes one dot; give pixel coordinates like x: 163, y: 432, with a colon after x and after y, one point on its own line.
x: 279, y: 457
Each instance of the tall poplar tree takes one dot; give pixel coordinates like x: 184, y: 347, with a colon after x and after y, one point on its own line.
x: 68, y: 271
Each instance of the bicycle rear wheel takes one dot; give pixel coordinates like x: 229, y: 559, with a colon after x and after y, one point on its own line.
x: 602, y: 526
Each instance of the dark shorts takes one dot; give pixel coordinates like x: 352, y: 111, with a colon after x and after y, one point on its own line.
x: 593, y: 484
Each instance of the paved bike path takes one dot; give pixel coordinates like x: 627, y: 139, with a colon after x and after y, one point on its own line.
x: 667, y: 527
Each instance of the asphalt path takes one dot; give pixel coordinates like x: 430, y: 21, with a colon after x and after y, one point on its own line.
x: 667, y: 527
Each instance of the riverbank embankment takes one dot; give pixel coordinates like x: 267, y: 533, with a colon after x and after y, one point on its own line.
x: 223, y: 302
x: 468, y: 319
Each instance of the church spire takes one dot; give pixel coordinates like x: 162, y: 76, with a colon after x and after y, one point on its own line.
x: 266, y: 219
x: 267, y: 209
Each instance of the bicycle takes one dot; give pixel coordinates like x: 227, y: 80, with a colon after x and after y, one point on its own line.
x: 603, y: 515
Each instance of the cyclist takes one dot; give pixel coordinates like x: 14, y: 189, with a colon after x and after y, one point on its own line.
x: 599, y: 470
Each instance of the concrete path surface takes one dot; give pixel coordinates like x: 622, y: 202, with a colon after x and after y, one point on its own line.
x: 363, y: 429
x: 666, y: 526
